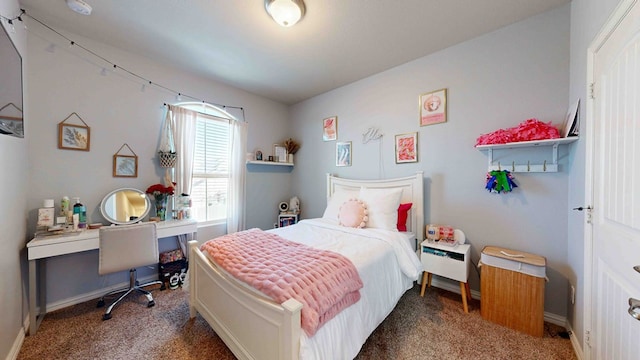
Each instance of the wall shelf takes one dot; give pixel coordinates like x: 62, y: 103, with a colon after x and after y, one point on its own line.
x: 269, y: 163
x: 513, y: 167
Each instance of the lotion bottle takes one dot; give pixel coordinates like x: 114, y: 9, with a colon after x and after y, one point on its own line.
x: 81, y: 210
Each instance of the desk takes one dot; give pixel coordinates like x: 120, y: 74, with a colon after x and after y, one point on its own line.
x: 41, y: 248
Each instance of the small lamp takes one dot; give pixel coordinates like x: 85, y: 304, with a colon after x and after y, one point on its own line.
x: 285, y: 12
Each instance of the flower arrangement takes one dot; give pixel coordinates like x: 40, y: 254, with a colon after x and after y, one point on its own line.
x: 160, y: 194
x: 292, y: 146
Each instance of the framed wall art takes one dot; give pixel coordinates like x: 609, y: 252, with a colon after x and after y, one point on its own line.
x: 407, y: 148
x: 343, y: 153
x: 330, y: 128
x: 74, y: 137
x: 433, y: 107
x: 279, y: 153
x: 125, y: 165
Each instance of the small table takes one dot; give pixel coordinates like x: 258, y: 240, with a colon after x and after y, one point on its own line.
x: 448, y: 261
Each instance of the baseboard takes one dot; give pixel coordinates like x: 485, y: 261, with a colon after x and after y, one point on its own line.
x: 455, y: 288
x: 574, y: 342
x: 17, y: 345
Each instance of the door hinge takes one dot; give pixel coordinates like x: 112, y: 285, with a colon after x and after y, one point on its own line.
x: 587, y: 337
x: 592, y: 90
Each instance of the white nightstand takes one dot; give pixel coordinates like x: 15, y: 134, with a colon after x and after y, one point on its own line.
x: 448, y: 261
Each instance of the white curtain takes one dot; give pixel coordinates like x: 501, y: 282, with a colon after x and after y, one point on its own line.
x: 184, y: 130
x: 237, y: 173
x: 183, y: 123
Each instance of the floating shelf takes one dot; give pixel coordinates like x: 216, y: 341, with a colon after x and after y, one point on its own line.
x: 513, y: 167
x: 269, y: 163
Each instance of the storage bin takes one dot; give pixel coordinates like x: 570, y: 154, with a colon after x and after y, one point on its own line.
x: 512, y: 289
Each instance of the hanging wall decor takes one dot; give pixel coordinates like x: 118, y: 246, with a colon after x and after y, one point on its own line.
x: 125, y: 165
x: 167, y: 150
x: 72, y: 136
x: 500, y: 181
x: 343, y: 153
x: 330, y: 128
x: 407, y: 148
x: 433, y: 107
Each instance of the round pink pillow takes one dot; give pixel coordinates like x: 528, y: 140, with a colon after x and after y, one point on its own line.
x: 353, y: 213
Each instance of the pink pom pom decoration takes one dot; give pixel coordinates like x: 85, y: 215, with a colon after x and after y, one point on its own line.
x: 528, y: 130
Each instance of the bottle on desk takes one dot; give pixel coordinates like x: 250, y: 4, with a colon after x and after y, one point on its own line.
x: 81, y: 210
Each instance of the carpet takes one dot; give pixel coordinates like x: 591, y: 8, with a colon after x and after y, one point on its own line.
x: 433, y: 327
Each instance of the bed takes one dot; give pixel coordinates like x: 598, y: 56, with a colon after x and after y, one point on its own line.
x: 255, y: 327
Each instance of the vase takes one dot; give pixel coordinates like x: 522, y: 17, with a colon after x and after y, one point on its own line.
x: 161, y: 208
x: 290, y: 158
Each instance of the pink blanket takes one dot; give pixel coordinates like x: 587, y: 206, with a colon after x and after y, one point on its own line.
x: 323, y: 281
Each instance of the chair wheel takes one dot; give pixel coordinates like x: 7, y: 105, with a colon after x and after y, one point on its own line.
x: 151, y: 303
x: 100, y: 304
x: 106, y: 317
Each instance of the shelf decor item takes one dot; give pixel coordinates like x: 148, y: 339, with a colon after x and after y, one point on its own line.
x: 74, y: 137
x: 160, y: 194
x: 292, y: 147
x: 433, y: 107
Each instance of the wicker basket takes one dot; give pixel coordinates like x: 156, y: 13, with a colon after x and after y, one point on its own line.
x: 167, y: 159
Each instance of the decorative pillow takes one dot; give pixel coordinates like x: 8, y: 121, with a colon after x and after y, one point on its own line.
x: 353, y: 213
x: 383, y: 207
x: 403, y: 213
x: 337, y: 199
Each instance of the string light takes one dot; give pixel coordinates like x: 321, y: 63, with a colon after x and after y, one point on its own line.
x: 179, y: 96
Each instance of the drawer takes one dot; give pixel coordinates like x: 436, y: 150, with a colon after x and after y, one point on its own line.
x: 450, y: 263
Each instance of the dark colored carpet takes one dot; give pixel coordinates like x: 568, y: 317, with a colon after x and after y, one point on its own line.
x: 433, y: 327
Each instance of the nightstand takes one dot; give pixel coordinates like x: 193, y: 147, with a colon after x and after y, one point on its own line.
x: 448, y: 261
x: 287, y: 219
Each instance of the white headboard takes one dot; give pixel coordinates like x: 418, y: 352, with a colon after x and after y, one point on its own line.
x: 412, y: 192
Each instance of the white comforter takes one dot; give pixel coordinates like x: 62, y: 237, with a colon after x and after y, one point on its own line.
x: 387, y: 265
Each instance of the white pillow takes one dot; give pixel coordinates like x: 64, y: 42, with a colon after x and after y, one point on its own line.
x: 383, y: 207
x: 337, y: 199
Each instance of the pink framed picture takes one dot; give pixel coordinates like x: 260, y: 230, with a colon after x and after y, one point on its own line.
x: 407, y: 148
x: 433, y: 107
x: 330, y: 128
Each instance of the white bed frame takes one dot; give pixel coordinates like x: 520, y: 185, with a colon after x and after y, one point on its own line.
x: 255, y: 327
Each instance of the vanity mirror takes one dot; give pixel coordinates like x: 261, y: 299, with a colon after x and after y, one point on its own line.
x: 125, y: 206
x: 11, y: 119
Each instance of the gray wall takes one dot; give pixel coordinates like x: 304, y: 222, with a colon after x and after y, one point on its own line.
x: 587, y: 17
x: 494, y: 81
x: 13, y: 213
x: 69, y: 80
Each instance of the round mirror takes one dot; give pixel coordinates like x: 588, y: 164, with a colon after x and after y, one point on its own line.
x: 125, y: 206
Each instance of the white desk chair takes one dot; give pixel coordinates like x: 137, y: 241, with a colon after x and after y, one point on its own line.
x: 127, y: 247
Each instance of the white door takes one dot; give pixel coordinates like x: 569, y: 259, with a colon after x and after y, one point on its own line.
x: 615, y: 333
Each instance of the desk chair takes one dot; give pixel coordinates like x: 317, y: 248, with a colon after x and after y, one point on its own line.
x: 127, y: 247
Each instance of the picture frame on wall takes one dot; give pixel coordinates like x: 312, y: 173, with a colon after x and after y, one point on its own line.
x: 343, y: 153
x: 73, y: 137
x: 330, y: 128
x: 125, y: 166
x: 433, y: 107
x: 407, y: 148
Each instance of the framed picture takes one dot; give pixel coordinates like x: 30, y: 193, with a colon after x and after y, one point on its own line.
x: 343, y: 153
x: 279, y: 153
x: 571, y: 122
x: 330, y: 128
x: 407, y: 148
x: 259, y: 155
x: 433, y: 107
x: 73, y: 137
x: 125, y: 166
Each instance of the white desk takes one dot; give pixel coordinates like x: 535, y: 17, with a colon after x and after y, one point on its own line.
x: 41, y: 248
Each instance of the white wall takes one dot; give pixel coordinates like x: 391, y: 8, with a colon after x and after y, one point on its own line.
x: 587, y: 17
x: 13, y: 214
x: 494, y: 81
x: 69, y: 80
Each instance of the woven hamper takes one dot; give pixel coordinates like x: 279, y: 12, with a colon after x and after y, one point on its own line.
x: 512, y: 289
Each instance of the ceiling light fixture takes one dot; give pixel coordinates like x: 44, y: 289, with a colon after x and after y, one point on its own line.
x: 79, y: 6
x: 285, y: 12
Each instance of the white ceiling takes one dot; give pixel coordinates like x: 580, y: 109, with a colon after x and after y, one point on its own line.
x: 237, y: 43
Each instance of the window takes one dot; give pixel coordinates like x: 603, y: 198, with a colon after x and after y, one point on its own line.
x: 210, y: 182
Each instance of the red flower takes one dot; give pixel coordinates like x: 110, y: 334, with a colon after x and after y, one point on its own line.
x: 159, y: 189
